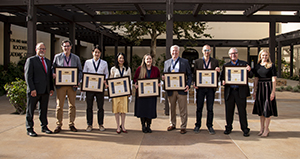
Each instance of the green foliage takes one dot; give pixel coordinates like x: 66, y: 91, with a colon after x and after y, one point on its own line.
x: 160, y: 62
x: 278, y: 89
x: 288, y: 88
x: 298, y: 86
x: 286, y: 70
x: 14, y: 71
x: 110, y: 61
x: 136, y: 62
x: 295, y: 89
x: 16, y: 92
x: 282, y: 88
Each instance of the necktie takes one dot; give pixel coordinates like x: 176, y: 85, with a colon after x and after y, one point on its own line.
x: 44, y: 64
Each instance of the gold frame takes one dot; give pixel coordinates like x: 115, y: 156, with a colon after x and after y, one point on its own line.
x: 180, y: 76
x: 141, y: 87
x: 98, y: 78
x: 120, y: 81
x: 238, y: 69
x: 209, y: 73
x: 66, y: 70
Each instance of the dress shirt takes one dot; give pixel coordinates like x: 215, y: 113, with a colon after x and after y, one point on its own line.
x: 102, y: 69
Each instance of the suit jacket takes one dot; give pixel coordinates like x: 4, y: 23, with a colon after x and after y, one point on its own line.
x: 36, y: 77
x: 184, y: 66
x: 243, y: 90
x: 199, y: 65
x: 75, y: 62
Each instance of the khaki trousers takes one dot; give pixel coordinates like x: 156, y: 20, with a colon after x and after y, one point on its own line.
x: 182, y: 104
x: 60, y: 99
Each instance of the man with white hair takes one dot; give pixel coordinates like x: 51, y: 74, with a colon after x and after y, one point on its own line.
x: 235, y: 94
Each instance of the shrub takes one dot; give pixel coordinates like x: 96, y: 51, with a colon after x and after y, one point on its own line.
x: 282, y: 88
x: 16, y: 92
x: 295, y: 89
x: 288, y: 88
x: 278, y: 89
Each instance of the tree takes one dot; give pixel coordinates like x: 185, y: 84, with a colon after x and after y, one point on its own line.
x: 134, y: 31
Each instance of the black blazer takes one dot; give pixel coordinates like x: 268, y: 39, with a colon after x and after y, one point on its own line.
x: 36, y: 77
x: 199, y: 65
x: 243, y: 90
x: 184, y: 66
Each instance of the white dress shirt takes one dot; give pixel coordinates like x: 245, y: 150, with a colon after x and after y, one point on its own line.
x: 89, y: 67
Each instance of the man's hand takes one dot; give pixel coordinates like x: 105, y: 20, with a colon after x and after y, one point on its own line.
x: 217, y: 69
x: 33, y: 93
x: 136, y: 86
x: 54, y: 75
x: 186, y: 88
x: 195, y: 86
x: 248, y: 68
x: 51, y: 92
x: 223, y: 83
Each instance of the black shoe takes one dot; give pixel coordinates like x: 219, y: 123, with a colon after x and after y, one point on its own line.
x: 246, y: 134
x: 197, y: 129
x: 211, y: 131
x: 227, y: 132
x: 57, y: 129
x: 72, y: 128
x: 31, y: 133
x: 148, y: 130
x: 144, y: 129
x: 46, y: 130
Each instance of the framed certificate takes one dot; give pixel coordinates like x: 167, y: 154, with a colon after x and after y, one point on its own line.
x: 148, y: 87
x: 174, y: 81
x: 118, y: 87
x: 92, y: 82
x: 206, y: 78
x: 66, y: 76
x: 236, y: 75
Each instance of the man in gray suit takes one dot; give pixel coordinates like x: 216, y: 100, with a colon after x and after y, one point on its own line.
x: 66, y: 59
x: 206, y: 62
x: 177, y: 64
x: 39, y: 82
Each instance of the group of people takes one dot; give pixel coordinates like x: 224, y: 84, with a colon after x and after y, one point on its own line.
x: 39, y: 75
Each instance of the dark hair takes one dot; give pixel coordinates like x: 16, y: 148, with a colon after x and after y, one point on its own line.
x: 125, y: 61
x: 97, y: 47
x: 66, y: 41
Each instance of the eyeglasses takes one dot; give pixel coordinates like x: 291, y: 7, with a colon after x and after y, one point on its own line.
x: 67, y: 46
x: 42, y: 49
x: 233, y: 53
x: 206, y: 50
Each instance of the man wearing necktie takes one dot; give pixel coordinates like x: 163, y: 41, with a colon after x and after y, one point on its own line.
x: 39, y: 86
x: 177, y: 64
x: 98, y: 66
x: 206, y: 62
x: 234, y: 94
x: 66, y: 59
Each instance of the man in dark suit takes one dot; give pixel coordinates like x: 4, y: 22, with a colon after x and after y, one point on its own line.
x: 66, y: 59
x: 177, y: 64
x: 206, y: 62
x: 234, y: 94
x: 39, y: 82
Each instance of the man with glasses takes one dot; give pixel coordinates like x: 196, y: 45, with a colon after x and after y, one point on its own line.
x: 234, y: 94
x: 206, y: 62
x: 39, y: 86
x: 66, y: 59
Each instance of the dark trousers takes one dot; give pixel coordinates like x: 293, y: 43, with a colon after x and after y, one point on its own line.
x: 241, y: 103
x: 89, y: 109
x: 43, y: 100
x: 210, y: 97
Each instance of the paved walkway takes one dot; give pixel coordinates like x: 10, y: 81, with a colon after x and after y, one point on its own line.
x: 283, y: 142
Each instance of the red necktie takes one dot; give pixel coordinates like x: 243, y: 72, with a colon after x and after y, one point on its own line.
x: 44, y: 64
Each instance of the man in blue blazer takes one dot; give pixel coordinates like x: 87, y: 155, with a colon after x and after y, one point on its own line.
x: 66, y: 59
x: 39, y: 82
x: 177, y: 64
x: 234, y: 94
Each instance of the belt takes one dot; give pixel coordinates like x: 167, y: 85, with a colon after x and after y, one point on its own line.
x: 234, y: 88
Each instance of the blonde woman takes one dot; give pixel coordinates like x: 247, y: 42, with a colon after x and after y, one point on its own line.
x: 120, y: 104
x: 145, y: 108
x: 264, y: 91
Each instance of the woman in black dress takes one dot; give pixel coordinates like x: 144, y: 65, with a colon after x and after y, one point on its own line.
x: 264, y: 91
x: 145, y: 108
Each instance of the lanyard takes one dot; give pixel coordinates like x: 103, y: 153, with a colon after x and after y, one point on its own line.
x: 121, y: 73
x: 67, y: 61
x: 96, y: 68
x: 173, y: 66
x: 206, y: 66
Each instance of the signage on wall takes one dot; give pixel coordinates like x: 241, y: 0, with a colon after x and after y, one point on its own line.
x: 19, y: 48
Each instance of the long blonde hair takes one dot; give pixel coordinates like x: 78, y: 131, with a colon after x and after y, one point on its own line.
x: 143, y: 70
x: 269, y: 62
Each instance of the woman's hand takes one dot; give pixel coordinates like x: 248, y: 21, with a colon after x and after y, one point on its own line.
x: 272, y: 96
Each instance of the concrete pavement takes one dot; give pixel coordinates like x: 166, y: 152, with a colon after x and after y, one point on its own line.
x: 283, y: 142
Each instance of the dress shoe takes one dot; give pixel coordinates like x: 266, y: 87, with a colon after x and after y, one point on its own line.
x: 118, y: 132
x: 46, y: 130
x: 148, y: 130
x: 227, y: 132
x: 171, y: 128
x: 197, y: 129
x: 57, y: 129
x: 72, y: 128
x: 182, y: 131
x: 211, y: 131
x: 246, y: 134
x: 265, y: 135
x: 101, y: 128
x: 123, y: 130
x: 31, y: 133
